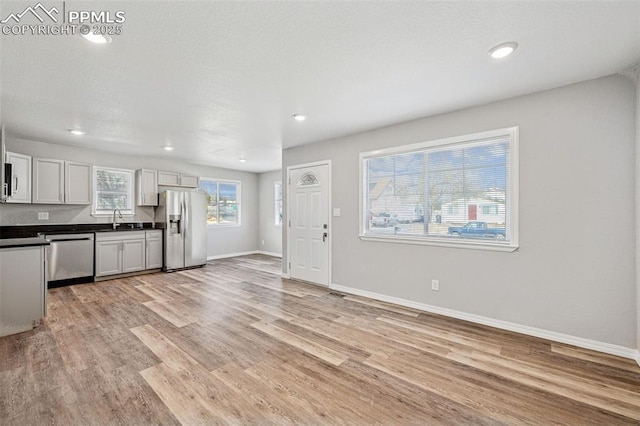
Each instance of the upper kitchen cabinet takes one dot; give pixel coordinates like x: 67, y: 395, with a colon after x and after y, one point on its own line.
x: 189, y: 180
x: 78, y: 179
x: 60, y: 182
x: 177, y: 179
x: 20, y: 178
x: 146, y: 187
x: 48, y: 181
x: 169, y: 178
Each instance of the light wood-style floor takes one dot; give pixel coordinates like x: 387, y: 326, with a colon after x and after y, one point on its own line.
x: 233, y: 343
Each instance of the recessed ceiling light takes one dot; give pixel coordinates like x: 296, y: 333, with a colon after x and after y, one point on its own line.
x: 243, y: 160
x: 77, y: 132
x: 299, y: 117
x: 168, y: 148
x: 97, y: 38
x: 503, y: 50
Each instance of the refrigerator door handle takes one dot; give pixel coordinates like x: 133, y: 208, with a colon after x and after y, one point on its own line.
x: 182, y: 218
x: 185, y: 218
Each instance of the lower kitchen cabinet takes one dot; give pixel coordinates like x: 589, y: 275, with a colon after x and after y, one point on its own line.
x: 119, y: 252
x: 22, y: 288
x: 108, y: 257
x: 154, y: 249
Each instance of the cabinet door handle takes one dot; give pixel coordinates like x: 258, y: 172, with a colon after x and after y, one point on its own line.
x: 15, y: 187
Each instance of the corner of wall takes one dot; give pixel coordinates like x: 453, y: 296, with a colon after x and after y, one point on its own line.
x: 636, y: 77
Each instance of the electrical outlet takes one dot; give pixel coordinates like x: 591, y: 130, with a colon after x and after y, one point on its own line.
x: 435, y: 285
x: 43, y: 215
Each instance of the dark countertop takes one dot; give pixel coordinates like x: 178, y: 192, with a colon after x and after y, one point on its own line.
x: 22, y: 242
x: 30, y: 231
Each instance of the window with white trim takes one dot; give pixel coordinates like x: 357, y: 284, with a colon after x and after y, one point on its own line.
x: 223, y: 201
x: 458, y: 191
x: 113, y: 190
x: 278, y: 213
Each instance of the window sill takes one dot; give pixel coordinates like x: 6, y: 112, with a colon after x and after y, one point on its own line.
x: 223, y: 225
x: 461, y: 244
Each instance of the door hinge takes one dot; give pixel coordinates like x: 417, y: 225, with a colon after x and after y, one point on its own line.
x: 289, y: 265
x: 289, y: 223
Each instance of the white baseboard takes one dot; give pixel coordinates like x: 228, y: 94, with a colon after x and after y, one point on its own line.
x: 504, y: 325
x: 224, y: 256
x: 287, y: 276
x: 270, y: 253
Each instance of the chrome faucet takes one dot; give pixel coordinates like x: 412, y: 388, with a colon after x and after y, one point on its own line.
x: 115, y: 225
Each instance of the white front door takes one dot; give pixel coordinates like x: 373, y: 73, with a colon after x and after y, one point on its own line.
x: 309, y: 224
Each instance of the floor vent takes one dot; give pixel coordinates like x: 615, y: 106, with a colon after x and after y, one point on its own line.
x: 333, y: 293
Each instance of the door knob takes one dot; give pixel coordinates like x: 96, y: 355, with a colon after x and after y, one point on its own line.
x: 324, y: 237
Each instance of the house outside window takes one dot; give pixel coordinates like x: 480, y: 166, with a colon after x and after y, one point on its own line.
x: 113, y: 190
x: 223, y: 201
x: 458, y: 191
x: 278, y: 213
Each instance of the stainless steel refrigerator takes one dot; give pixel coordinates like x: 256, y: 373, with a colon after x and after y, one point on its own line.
x: 183, y: 215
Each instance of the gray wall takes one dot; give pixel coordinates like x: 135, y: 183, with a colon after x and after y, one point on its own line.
x: 220, y: 241
x: 270, y: 235
x: 574, y: 271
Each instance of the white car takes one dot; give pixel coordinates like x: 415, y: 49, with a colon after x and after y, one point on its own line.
x: 384, y: 220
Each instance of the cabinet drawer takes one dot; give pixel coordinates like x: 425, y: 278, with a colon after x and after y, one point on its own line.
x: 120, y: 236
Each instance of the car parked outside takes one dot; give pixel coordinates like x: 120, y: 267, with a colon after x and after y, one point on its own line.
x: 384, y: 220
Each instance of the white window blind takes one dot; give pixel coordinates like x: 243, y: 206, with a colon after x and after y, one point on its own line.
x: 113, y: 190
x: 456, y: 191
x: 223, y: 201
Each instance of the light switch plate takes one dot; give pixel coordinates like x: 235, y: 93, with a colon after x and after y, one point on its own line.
x: 43, y: 215
x: 336, y: 212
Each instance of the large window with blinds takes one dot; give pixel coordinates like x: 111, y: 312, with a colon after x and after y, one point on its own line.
x: 458, y: 191
x: 113, y: 190
x: 223, y: 201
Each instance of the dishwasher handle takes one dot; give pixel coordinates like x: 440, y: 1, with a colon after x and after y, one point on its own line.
x: 68, y: 237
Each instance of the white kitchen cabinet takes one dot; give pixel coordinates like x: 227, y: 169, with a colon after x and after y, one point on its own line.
x: 146, y: 187
x: 169, y: 178
x: 48, y: 181
x: 154, y: 249
x: 108, y: 258
x: 133, y: 255
x: 20, y: 178
x: 61, y: 182
x: 78, y: 183
x: 22, y: 288
x: 189, y: 180
x: 119, y: 252
x: 177, y: 179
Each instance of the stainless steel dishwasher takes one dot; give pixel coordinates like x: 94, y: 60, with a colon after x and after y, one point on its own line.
x: 70, y: 258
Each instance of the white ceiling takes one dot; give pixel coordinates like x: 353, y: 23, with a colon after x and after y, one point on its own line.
x: 220, y: 80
